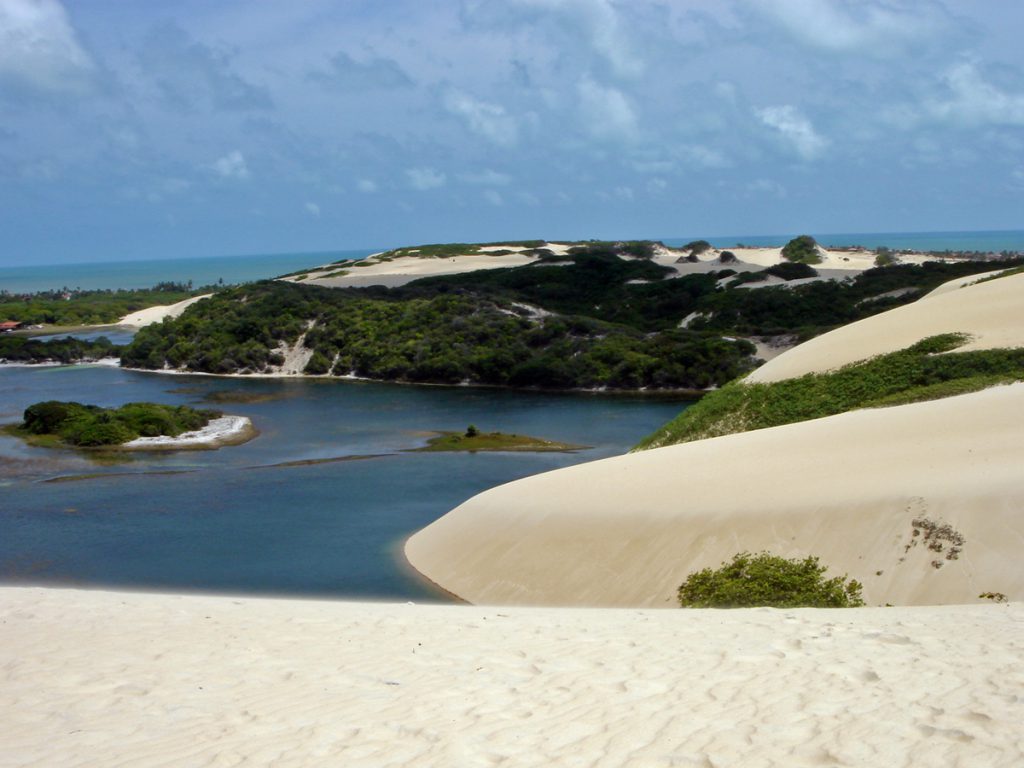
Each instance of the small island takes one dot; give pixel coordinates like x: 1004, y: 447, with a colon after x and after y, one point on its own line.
x: 133, y: 426
x: 474, y: 440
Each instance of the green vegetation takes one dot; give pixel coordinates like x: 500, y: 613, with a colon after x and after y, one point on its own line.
x: 447, y: 338
x: 492, y: 441
x: 450, y: 250
x: 697, y: 247
x: 65, y: 307
x: 814, y: 308
x: 802, y: 250
x: 786, y: 271
x: 922, y: 371
x: 89, y: 426
x: 884, y: 257
x: 18, y: 349
x: 764, y: 579
x: 593, y: 320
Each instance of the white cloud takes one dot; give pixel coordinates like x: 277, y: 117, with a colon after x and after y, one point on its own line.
x: 599, y: 22
x: 39, y: 48
x: 366, y: 185
x: 486, y: 177
x: 493, y: 197
x: 656, y: 186
x: 766, y: 187
x: 971, y: 100
x: 795, y: 129
x: 425, y: 178
x: 624, y: 193
x: 607, y: 111
x: 231, y: 166
x: 863, y: 27
x: 312, y: 209
x: 488, y: 120
x: 702, y: 156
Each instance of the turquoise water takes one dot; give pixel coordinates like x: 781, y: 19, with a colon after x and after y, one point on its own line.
x: 994, y: 241
x: 230, y: 521
x: 144, y: 274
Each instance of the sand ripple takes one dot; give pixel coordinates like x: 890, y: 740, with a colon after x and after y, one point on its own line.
x: 91, y: 678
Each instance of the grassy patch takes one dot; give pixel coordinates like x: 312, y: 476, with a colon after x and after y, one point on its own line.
x: 493, y: 441
x: 922, y: 371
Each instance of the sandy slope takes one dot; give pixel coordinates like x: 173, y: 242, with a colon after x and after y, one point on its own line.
x: 404, y: 269
x: 992, y: 312
x: 151, y: 315
x: 627, y: 530
x: 103, y: 678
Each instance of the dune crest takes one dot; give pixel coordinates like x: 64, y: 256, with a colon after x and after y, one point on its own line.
x: 860, y: 490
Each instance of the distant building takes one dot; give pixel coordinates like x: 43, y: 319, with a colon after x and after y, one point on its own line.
x: 9, y: 325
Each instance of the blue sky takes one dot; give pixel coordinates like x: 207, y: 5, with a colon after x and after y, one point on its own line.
x: 190, y: 128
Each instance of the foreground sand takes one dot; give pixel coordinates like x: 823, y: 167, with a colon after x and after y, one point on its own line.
x: 104, y: 678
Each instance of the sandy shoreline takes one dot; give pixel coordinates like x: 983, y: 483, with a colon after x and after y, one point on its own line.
x: 226, y: 430
x: 107, y: 678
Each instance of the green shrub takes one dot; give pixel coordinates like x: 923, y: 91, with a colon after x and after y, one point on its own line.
x: 768, y: 580
x: 802, y: 249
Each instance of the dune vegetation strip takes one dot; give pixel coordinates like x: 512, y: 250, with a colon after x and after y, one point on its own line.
x: 473, y: 440
x: 927, y: 370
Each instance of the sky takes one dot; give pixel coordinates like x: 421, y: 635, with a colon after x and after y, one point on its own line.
x: 184, y: 128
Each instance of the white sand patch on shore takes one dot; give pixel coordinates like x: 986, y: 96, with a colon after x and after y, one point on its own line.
x: 848, y: 488
x: 106, y: 678
x: 151, y: 315
x: 225, y: 430
x: 991, y: 312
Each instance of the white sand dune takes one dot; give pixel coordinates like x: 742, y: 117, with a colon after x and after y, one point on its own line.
x: 627, y: 530
x: 405, y: 269
x: 105, y: 678
x: 848, y: 488
x: 991, y: 312
x: 151, y: 315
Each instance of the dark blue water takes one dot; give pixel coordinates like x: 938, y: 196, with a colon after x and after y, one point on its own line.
x: 147, y: 273
x: 230, y: 522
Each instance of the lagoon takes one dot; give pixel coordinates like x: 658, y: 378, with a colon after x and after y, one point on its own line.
x: 232, y: 521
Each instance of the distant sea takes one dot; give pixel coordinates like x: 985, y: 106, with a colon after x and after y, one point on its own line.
x: 144, y: 274
x: 241, y: 269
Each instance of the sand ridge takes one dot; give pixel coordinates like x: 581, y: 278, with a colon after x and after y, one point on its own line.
x: 991, y: 312
x: 107, y: 678
x: 156, y: 314
x: 627, y: 530
x: 847, y: 488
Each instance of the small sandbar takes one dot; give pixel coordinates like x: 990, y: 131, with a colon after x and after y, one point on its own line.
x: 226, y: 430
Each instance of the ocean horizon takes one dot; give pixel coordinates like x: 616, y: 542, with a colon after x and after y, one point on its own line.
x: 235, y: 269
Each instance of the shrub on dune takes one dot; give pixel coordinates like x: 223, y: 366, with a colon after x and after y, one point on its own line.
x: 765, y: 579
